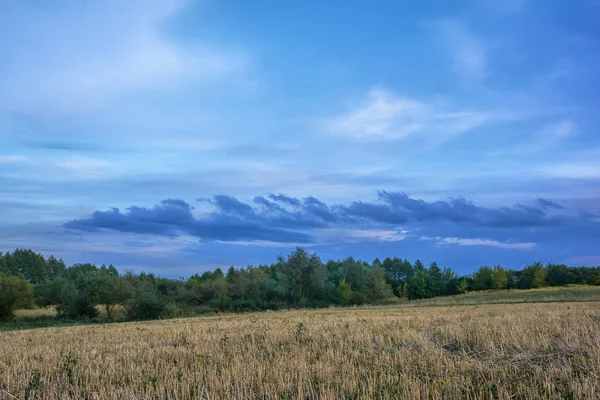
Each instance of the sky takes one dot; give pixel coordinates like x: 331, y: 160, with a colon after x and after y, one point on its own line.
x: 178, y: 136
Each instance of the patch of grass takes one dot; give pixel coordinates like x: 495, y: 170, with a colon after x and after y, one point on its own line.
x: 572, y: 293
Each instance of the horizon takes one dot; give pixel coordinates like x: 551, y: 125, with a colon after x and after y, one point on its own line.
x: 175, y: 137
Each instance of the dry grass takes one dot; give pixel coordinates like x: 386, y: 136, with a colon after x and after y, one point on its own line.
x: 524, y: 351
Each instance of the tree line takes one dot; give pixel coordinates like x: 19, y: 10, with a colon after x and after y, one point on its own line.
x: 28, y: 279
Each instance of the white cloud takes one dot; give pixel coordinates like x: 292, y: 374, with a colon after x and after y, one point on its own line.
x: 75, y: 167
x: 559, y: 131
x: 385, y: 115
x: 479, y: 242
x: 85, y: 166
x: 548, y: 136
x: 573, y: 170
x: 380, y: 235
x: 345, y: 235
x: 467, y: 51
x: 80, y: 54
x: 12, y: 159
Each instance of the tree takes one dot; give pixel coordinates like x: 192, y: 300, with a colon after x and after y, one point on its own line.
x: 499, y: 278
x: 417, y: 288
x: 377, y: 288
x: 399, y: 272
x: 15, y: 293
x: 27, y: 263
x: 297, y: 272
x: 558, y: 275
x: 52, y: 293
x: 463, y: 286
x: 344, y: 293
x: 147, y: 303
x: 435, y: 281
x: 110, y: 290
x: 533, y: 276
x: 483, y: 278
x: 56, y: 268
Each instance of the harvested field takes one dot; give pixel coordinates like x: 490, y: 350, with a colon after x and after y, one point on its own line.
x: 521, y: 351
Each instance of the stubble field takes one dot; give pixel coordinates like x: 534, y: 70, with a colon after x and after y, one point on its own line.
x: 523, y: 351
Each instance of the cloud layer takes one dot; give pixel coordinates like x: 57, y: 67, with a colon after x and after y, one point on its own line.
x: 283, y: 219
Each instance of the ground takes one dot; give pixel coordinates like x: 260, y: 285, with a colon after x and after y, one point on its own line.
x: 527, y: 351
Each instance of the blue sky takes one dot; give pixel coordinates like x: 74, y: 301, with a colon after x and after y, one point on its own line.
x: 177, y: 136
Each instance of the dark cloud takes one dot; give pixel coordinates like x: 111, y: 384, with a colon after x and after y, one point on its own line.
x: 280, y: 218
x: 63, y: 146
x: 285, y: 199
x: 231, y: 205
x: 462, y: 211
x: 547, y: 204
x: 174, y: 217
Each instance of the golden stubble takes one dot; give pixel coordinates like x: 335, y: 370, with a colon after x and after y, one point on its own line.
x: 524, y: 351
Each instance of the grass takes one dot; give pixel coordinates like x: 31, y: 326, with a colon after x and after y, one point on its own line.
x: 523, y: 351
x: 572, y: 293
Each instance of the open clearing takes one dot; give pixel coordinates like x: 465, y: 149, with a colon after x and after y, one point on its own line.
x: 505, y: 351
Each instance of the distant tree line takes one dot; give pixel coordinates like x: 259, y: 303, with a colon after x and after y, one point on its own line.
x: 28, y: 279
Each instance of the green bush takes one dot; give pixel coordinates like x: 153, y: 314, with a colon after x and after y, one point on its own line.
x: 78, y: 305
x: 15, y: 292
x: 148, y: 303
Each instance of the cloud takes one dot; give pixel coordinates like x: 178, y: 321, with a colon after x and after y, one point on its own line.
x: 573, y: 170
x: 51, y: 168
x: 387, y: 116
x: 85, y: 166
x: 13, y: 159
x: 80, y: 54
x: 481, y: 242
x: 467, y: 51
x: 173, y: 217
x: 308, y: 220
x: 455, y: 210
x: 547, y: 137
x: 285, y: 199
x: 561, y: 130
x: 547, y: 204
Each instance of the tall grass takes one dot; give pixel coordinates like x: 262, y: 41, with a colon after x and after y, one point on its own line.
x: 524, y: 351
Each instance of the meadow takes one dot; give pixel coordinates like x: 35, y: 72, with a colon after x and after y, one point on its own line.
x: 485, y: 351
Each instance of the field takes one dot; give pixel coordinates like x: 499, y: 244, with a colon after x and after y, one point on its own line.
x: 544, y: 295
x: 523, y: 351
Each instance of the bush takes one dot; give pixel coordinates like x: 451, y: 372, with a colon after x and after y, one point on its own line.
x: 148, y: 303
x: 78, y: 305
x: 15, y: 292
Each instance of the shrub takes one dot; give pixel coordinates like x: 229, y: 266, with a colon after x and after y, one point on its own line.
x: 15, y: 292
x: 78, y: 305
x: 148, y: 303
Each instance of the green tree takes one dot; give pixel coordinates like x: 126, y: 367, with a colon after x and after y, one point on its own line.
x: 297, y: 273
x: 377, y: 288
x: 463, y: 286
x: 15, y: 293
x: 483, y: 278
x: 52, y: 293
x: 147, y: 303
x: 27, y: 263
x: 344, y: 293
x: 533, y: 276
x: 56, y: 268
x: 499, y: 278
x: 417, y: 288
x: 558, y: 275
x: 110, y: 291
x: 435, y: 281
